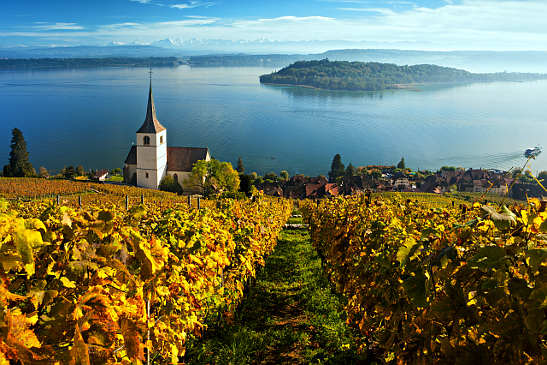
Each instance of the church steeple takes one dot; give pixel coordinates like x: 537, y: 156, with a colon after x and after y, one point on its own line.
x: 151, y: 123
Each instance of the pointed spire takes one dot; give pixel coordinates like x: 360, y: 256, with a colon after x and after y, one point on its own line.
x: 151, y: 123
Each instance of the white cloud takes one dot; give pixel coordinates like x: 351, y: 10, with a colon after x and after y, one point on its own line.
x: 464, y: 25
x: 57, y: 26
x: 192, y: 5
x: 141, y: 1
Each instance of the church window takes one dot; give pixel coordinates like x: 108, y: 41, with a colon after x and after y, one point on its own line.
x: 146, y: 140
x: 147, y: 175
x: 161, y: 139
x: 176, y: 177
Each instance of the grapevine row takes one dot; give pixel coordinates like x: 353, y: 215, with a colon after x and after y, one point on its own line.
x: 453, y: 285
x: 103, y: 285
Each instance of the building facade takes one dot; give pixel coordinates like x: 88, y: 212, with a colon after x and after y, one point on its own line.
x: 150, y: 159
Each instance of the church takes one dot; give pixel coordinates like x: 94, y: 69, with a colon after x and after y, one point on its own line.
x: 150, y: 159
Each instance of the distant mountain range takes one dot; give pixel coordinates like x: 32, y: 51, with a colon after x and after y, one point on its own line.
x: 475, y: 61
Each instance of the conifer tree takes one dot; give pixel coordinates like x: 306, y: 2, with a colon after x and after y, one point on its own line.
x: 350, y: 171
x: 240, y: 168
x: 19, y: 164
x: 401, y: 164
x: 337, y: 168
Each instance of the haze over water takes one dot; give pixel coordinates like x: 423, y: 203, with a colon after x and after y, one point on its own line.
x: 89, y: 117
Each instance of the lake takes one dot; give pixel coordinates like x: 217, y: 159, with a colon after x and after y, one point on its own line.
x: 89, y: 117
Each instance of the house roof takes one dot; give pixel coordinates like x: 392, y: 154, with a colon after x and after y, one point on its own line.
x: 100, y: 173
x: 151, y: 123
x: 178, y: 158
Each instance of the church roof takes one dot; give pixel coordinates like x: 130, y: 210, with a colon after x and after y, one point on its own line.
x: 184, y: 158
x: 131, y: 158
x: 178, y: 158
x: 151, y: 123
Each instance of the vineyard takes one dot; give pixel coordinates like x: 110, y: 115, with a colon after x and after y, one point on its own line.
x: 75, y: 193
x: 454, y: 285
x: 102, y: 284
x: 97, y: 276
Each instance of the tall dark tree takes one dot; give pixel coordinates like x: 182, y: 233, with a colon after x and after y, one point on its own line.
x: 19, y: 165
x: 351, y: 171
x: 336, y: 168
x: 401, y: 164
x: 240, y: 168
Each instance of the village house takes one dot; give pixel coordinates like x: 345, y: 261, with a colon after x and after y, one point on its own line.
x: 100, y: 175
x: 150, y: 160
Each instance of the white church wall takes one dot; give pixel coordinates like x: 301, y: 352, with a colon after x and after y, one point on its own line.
x: 151, y: 159
x: 128, y: 172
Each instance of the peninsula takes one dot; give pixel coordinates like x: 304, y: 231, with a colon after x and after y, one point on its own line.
x: 373, y: 76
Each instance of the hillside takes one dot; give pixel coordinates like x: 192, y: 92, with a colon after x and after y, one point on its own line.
x: 372, y: 76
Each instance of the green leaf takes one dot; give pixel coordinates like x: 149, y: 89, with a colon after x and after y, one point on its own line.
x: 535, y: 258
x: 488, y: 257
x: 106, y: 216
x: 415, y: 288
x: 406, y: 251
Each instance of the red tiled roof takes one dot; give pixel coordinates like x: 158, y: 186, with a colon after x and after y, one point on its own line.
x: 184, y: 158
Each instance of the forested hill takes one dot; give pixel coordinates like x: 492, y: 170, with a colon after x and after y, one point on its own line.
x: 342, y: 75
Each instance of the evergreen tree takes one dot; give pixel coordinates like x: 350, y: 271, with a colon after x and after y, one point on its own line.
x: 19, y: 165
x: 337, y: 168
x: 351, y: 171
x: 80, y: 170
x: 401, y: 164
x: 240, y: 168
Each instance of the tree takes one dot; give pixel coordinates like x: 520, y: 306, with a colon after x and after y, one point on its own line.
x: 351, y: 171
x: 284, y: 175
x: 214, y: 177
x: 68, y: 172
x: 271, y: 177
x: 116, y: 171
x: 168, y: 183
x: 246, y: 182
x: 80, y: 170
x: 19, y: 164
x: 337, y: 168
x: 401, y: 164
x: 42, y: 172
x: 240, y: 167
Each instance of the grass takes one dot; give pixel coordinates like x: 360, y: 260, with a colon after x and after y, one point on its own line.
x: 115, y: 178
x: 290, y: 315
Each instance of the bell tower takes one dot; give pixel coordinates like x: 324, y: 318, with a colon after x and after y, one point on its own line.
x: 151, y: 147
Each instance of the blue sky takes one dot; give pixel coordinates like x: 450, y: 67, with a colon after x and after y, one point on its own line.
x: 405, y: 24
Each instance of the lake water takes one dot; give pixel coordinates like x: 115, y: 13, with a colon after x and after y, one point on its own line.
x: 89, y: 117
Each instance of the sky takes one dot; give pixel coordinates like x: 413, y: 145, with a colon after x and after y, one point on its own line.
x: 309, y: 24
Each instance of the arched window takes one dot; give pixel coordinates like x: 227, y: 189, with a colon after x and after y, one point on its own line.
x: 147, y: 175
x: 146, y: 140
x: 176, y: 177
x: 161, y: 139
